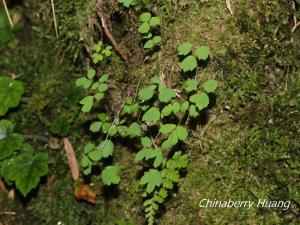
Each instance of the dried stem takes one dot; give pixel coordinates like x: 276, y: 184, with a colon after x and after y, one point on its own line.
x: 54, y: 18
x: 8, y: 15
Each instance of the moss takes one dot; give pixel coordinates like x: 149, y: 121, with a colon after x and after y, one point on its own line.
x: 250, y: 151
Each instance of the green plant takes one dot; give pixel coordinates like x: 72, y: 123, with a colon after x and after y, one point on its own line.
x: 97, y: 87
x: 10, y: 93
x: 5, y: 32
x: 128, y: 3
x: 189, y: 63
x: 19, y: 163
x: 125, y: 222
x: 158, y: 119
x: 149, y: 29
x: 158, y: 106
x: 101, y: 52
x: 93, y: 154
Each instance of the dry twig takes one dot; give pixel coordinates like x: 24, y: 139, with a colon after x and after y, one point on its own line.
x: 107, y: 29
x: 228, y: 5
x: 7, y: 13
x: 54, y: 18
x: 296, y: 23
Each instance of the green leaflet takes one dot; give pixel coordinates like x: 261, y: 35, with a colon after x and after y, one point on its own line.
x: 91, y: 73
x: 189, y: 63
x: 145, y: 17
x: 134, y: 130
x: 184, y: 48
x: 210, y: 86
x: 146, y: 93
x: 10, y: 93
x: 87, y: 103
x: 107, y: 148
x: 110, y: 175
x: 151, y: 115
x: 146, y: 142
x: 202, y: 52
x: 144, y: 28
x: 191, y: 85
x: 96, y: 126
x: 167, y: 128
x: 201, y: 100
x: 166, y: 94
x: 128, y: 3
x: 154, y: 21
x: 9, y: 141
x: 152, y: 179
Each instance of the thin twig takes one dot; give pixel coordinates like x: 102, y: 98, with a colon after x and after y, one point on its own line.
x: 296, y: 24
x: 115, y: 119
x: 136, y: 91
x: 105, y: 24
x: 36, y: 137
x: 54, y: 18
x: 8, y: 213
x: 295, y: 27
x: 8, y: 15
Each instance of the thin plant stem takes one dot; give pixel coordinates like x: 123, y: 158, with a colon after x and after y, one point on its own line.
x: 8, y: 15
x: 54, y: 18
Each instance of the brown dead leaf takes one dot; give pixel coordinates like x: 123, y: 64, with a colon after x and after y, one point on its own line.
x: 86, y: 193
x: 71, y: 159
